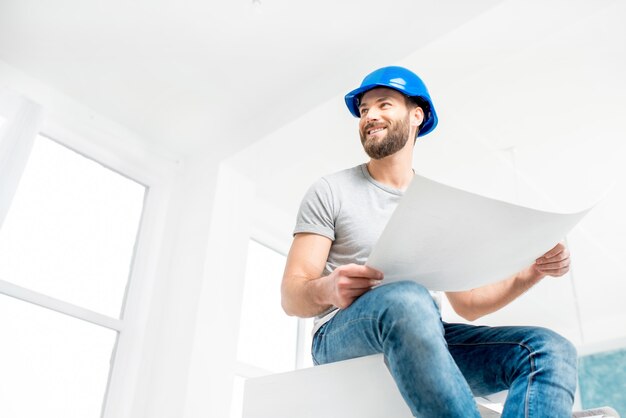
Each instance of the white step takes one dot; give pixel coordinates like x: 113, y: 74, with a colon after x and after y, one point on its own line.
x: 361, y: 387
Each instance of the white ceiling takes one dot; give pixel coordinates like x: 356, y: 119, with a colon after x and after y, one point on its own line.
x: 214, y: 76
x: 545, y: 78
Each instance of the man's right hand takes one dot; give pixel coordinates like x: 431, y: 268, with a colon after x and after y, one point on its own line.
x: 347, y: 283
x: 306, y: 293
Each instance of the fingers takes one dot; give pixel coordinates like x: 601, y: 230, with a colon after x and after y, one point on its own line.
x: 556, y: 255
x: 555, y: 262
x: 351, y: 281
x: 345, y: 296
x: 359, y: 271
x: 558, y: 250
x: 346, y: 282
x: 353, y: 276
x: 356, y: 283
x: 558, y: 269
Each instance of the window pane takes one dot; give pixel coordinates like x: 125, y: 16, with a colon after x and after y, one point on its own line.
x: 52, y: 365
x: 71, y: 229
x: 267, y: 336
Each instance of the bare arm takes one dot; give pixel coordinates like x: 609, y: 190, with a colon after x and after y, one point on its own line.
x: 305, y: 292
x: 473, y: 304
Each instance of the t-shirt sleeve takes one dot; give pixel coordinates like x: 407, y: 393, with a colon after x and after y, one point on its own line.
x: 316, y: 214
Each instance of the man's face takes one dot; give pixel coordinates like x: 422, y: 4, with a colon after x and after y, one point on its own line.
x: 385, y: 122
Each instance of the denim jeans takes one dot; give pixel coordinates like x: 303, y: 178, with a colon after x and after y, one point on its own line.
x: 440, y: 367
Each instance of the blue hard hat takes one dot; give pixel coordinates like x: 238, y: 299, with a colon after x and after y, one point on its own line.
x: 402, y: 80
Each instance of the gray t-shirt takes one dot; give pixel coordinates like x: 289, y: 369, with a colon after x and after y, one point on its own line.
x: 350, y: 208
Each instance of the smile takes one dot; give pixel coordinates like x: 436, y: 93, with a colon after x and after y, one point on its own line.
x: 376, y: 130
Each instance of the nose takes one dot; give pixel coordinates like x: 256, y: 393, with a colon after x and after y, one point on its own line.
x: 372, y: 114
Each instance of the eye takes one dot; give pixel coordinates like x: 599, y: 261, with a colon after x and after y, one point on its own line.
x: 385, y: 105
x: 363, y: 111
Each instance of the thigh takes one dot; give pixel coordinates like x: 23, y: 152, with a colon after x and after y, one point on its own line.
x: 360, y: 329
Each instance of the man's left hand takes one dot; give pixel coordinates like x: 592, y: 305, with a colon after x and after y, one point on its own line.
x: 553, y: 263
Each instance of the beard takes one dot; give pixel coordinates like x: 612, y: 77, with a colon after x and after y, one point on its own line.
x: 395, y: 139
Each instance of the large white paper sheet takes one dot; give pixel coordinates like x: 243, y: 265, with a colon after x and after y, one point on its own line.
x: 450, y: 239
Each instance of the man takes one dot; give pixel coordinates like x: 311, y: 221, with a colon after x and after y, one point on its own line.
x: 437, y: 366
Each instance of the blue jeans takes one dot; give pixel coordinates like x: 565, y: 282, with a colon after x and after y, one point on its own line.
x: 440, y: 367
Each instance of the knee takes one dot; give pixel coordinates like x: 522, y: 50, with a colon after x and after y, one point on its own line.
x: 406, y: 298
x: 555, y: 355
x: 408, y: 306
x: 553, y: 346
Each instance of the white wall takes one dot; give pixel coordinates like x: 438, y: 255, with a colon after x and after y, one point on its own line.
x: 172, y: 324
x: 557, y: 100
x: 217, y: 328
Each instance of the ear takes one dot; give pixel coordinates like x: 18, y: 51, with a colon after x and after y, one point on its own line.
x: 417, y: 116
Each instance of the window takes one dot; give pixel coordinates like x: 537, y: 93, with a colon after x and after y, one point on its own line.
x: 269, y: 340
x: 267, y: 336
x: 67, y: 244
x: 52, y: 365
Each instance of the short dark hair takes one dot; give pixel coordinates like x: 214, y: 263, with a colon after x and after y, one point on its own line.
x: 417, y: 101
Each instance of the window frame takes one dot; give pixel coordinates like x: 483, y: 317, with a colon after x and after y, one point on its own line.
x: 156, y: 174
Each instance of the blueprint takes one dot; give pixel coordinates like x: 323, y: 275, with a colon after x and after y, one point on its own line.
x: 450, y: 239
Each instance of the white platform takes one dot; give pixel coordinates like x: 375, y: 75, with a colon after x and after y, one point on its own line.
x: 360, y: 388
